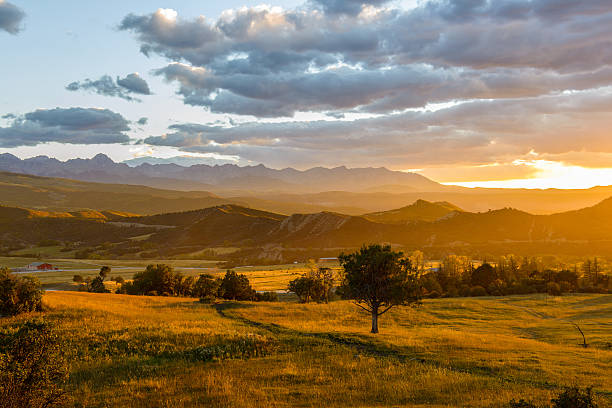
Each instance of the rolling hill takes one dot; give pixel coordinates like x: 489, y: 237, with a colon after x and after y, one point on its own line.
x: 433, y: 227
x: 496, y: 230
x: 420, y: 210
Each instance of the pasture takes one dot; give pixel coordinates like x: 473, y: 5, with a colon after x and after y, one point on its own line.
x: 136, y: 351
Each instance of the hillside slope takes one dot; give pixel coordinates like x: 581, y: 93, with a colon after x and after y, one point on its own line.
x: 420, y: 210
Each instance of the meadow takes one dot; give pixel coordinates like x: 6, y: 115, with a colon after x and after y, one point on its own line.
x: 136, y: 351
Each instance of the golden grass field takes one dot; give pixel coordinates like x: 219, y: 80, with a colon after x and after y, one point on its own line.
x: 130, y: 351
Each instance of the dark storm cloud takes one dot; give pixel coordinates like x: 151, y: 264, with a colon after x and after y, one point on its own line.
x: 70, y: 125
x: 107, y: 86
x: 269, y: 62
x: 11, y: 17
x: 477, y: 132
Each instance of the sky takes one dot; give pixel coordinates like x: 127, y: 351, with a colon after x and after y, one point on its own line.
x: 494, y: 93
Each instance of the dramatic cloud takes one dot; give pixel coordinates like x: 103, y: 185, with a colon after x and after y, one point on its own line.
x: 471, y: 133
x: 366, y: 56
x: 143, y: 121
x: 121, y: 88
x: 71, y: 125
x: 11, y: 17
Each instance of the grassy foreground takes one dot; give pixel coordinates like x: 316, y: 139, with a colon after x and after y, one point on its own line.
x: 474, y: 352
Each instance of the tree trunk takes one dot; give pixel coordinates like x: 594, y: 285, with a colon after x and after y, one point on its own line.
x: 375, y: 320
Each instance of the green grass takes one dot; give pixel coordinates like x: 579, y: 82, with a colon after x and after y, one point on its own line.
x: 473, y: 352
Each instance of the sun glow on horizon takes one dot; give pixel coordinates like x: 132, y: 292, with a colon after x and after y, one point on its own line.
x: 549, y: 174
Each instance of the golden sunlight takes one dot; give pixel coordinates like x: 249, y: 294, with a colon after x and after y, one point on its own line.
x: 548, y: 174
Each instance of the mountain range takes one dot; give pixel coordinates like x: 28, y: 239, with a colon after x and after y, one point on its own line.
x: 101, y: 184
x: 226, y: 177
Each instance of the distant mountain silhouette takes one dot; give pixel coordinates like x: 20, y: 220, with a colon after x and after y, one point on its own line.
x: 225, y: 177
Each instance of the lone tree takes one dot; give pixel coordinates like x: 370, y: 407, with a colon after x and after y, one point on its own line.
x: 377, y: 279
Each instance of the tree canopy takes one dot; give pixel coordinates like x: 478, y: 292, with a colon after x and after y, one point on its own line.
x: 378, y: 278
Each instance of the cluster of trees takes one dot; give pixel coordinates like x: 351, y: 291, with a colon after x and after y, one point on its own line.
x: 509, y: 275
x: 19, y: 294
x: 316, y: 285
x: 95, y: 285
x: 163, y: 280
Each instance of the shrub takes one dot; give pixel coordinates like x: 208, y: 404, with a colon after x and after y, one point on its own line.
x: 33, y: 369
x: 478, y: 291
x: 571, y: 397
x: 574, y: 397
x: 77, y: 278
x: 433, y: 294
x: 118, y: 279
x: 565, y: 287
x: 266, y: 297
x: 522, y: 404
x: 19, y: 294
x: 553, y: 288
x: 464, y: 291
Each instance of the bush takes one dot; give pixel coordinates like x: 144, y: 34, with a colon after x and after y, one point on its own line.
x: 464, y: 290
x: 571, y: 397
x: 574, y: 397
x: 77, y: 278
x: 19, y: 294
x: 33, y: 369
x: 522, y: 404
x: 118, y: 279
x: 553, y: 289
x: 266, y: 297
x: 565, y: 287
x: 433, y: 294
x: 478, y: 291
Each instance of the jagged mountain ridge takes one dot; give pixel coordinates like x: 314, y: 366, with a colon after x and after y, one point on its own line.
x: 219, y: 177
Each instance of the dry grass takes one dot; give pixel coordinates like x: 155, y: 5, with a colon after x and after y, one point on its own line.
x: 139, y: 351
